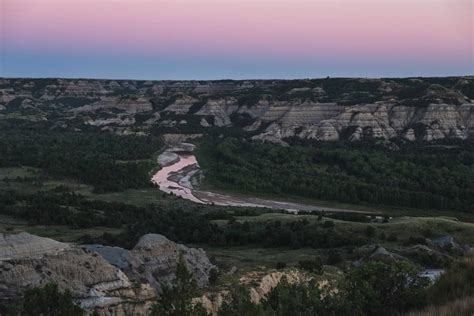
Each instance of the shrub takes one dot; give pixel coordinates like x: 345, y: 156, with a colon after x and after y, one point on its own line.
x: 177, y: 299
x: 280, y: 265
x: 457, y: 282
x: 313, y: 266
x: 386, y: 288
x: 329, y: 224
x: 415, y: 241
x: 213, y: 276
x: 392, y: 237
x: 370, y: 231
x: 334, y: 257
x: 48, y: 300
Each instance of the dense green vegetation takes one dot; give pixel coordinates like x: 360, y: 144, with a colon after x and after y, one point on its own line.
x: 428, y: 177
x: 221, y: 228
x: 176, y: 300
x: 107, y: 161
x: 457, y: 282
x: 48, y: 301
x: 190, y: 225
x: 374, y: 289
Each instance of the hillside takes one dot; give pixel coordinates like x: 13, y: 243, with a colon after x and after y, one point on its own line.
x: 272, y: 110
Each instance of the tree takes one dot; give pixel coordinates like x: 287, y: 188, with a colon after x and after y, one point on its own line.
x: 176, y: 300
x: 237, y: 302
x: 213, y: 276
x: 385, y: 288
x: 305, y: 299
x: 49, y: 301
x: 280, y: 265
x: 313, y: 266
x: 370, y: 231
x: 334, y: 257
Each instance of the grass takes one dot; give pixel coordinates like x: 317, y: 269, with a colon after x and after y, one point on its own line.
x: 430, y: 227
x: 249, y: 257
x: 459, y: 307
x: 244, y: 257
x: 402, y: 227
x: 60, y: 233
x: 29, y: 180
x: 369, y: 209
x: 139, y: 197
x: 18, y: 172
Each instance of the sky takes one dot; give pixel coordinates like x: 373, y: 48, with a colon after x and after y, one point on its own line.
x: 235, y: 39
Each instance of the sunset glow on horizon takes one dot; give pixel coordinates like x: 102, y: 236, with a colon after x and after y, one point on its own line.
x: 183, y: 39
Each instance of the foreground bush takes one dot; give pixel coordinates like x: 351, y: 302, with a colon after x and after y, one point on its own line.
x: 380, y: 288
x: 459, y: 307
x: 377, y: 288
x: 457, y: 282
x: 49, y: 301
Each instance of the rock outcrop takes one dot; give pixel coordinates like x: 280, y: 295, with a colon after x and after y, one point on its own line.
x: 94, y: 283
x: 265, y: 283
x: 25, y: 245
x: 108, y: 280
x: 450, y: 245
x: 261, y: 283
x: 375, y: 253
x: 437, y: 253
x: 154, y: 258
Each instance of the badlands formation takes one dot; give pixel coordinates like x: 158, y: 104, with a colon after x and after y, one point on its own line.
x: 270, y: 110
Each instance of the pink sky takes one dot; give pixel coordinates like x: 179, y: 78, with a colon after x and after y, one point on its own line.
x: 437, y: 31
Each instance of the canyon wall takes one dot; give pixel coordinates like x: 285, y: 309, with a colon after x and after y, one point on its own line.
x: 271, y: 110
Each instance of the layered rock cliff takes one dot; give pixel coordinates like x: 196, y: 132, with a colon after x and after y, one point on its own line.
x: 273, y: 110
x: 108, y: 280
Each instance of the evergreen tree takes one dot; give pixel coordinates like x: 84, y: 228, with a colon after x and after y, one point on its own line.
x: 388, y: 288
x: 176, y: 300
x: 238, y: 303
x: 49, y: 301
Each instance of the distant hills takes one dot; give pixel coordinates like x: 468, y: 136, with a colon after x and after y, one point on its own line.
x: 271, y: 110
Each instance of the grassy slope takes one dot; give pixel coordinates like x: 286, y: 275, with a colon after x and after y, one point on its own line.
x: 402, y: 227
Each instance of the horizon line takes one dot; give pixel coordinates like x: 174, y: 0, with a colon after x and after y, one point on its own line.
x: 243, y: 79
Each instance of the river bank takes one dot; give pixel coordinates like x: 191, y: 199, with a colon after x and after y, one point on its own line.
x: 179, y: 174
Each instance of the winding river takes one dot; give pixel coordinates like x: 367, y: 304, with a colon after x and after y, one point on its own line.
x: 170, y: 179
x: 179, y: 166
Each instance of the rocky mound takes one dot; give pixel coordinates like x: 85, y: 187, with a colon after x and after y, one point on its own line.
x: 436, y: 253
x: 24, y: 245
x: 374, y: 253
x: 153, y: 260
x: 114, y: 282
x: 450, y: 245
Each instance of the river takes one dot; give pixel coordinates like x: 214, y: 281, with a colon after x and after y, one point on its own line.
x: 170, y: 178
x: 180, y: 165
